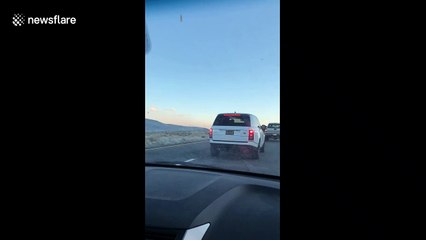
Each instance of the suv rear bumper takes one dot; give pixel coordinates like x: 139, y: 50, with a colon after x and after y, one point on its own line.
x: 229, y: 144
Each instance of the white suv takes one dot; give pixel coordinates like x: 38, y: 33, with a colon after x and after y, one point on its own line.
x: 237, y: 129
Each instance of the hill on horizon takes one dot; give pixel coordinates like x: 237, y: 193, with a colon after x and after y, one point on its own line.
x: 157, y: 126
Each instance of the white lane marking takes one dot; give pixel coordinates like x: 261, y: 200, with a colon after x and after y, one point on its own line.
x: 189, y: 160
x: 177, y: 145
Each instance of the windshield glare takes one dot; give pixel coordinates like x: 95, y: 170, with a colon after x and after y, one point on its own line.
x: 212, y: 80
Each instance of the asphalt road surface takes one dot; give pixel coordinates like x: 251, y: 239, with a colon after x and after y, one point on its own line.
x: 199, y: 153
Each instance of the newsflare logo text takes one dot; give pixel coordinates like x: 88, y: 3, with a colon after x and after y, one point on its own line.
x: 19, y: 19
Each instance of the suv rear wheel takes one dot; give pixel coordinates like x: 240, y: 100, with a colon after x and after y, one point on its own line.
x: 255, y: 152
x: 262, y: 149
x: 214, y: 150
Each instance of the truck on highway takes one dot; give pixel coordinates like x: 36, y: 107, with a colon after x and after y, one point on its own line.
x: 272, y: 131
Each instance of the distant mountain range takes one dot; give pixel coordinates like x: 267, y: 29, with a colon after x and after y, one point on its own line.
x: 156, y: 126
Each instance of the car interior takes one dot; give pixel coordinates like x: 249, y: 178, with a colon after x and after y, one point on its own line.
x: 235, y: 205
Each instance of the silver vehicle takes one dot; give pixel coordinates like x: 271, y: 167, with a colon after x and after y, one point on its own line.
x: 240, y: 130
x: 273, y: 131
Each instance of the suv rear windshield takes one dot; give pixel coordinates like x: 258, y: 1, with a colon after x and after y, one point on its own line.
x: 273, y: 126
x: 232, y: 120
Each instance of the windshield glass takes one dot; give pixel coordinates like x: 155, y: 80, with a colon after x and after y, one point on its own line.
x: 273, y: 126
x: 232, y: 120
x: 212, y: 81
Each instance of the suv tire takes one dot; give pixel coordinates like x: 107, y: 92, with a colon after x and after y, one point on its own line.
x: 262, y: 149
x: 214, y: 151
x: 255, y: 152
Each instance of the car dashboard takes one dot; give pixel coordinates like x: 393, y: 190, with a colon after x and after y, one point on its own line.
x: 190, y: 204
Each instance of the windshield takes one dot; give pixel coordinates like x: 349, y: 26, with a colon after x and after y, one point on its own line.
x: 212, y: 81
x: 232, y: 120
x: 273, y: 126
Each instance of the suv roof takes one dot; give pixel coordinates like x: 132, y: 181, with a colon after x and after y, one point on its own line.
x: 235, y: 113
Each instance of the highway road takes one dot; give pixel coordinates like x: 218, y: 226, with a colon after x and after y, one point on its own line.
x: 199, y: 153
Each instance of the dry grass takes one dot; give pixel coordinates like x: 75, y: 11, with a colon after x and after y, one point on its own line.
x: 158, y: 139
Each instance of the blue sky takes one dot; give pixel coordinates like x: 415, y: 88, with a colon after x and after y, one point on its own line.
x: 219, y: 58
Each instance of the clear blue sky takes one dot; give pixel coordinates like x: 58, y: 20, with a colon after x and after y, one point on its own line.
x: 219, y: 58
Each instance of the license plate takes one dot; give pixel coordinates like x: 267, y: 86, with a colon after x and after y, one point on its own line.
x: 229, y: 132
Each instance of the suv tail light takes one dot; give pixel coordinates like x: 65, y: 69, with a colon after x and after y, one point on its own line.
x: 210, y: 132
x: 251, y: 134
